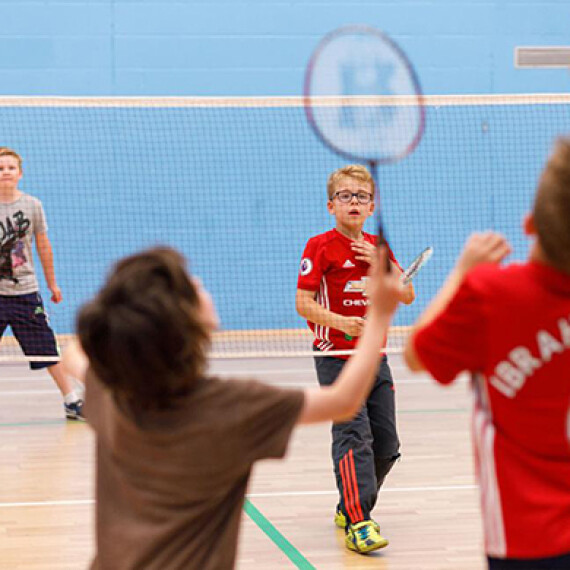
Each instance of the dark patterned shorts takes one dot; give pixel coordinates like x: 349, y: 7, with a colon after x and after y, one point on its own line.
x: 25, y: 314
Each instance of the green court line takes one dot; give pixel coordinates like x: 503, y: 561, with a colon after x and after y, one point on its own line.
x: 32, y: 424
x: 276, y: 537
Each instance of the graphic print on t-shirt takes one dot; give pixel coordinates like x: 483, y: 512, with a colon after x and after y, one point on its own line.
x: 12, y: 231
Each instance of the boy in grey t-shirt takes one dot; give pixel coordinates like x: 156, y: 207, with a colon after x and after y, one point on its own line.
x: 21, y: 220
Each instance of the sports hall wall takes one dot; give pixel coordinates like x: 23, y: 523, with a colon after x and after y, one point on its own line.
x: 260, y: 47
x: 240, y: 189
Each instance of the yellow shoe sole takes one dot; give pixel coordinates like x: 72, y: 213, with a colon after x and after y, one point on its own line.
x: 376, y: 546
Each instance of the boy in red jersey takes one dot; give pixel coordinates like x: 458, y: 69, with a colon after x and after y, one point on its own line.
x: 510, y: 327
x: 331, y: 296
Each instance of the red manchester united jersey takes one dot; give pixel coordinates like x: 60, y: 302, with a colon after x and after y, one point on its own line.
x: 329, y: 267
x: 511, y: 328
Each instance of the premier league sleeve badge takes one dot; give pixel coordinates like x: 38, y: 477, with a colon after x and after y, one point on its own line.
x: 306, y: 266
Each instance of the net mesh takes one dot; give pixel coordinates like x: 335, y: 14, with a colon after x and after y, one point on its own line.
x: 239, y: 186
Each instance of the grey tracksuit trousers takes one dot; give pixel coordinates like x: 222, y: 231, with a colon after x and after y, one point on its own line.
x: 365, y: 448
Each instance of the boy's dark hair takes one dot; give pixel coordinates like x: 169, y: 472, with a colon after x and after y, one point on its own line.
x: 143, y: 333
x: 552, y: 207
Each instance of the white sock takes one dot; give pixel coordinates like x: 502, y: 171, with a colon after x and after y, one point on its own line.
x: 71, y: 397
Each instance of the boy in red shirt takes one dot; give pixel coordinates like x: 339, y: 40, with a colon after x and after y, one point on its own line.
x: 510, y: 327
x: 331, y: 296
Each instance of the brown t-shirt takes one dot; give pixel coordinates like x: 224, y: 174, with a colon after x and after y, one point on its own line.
x: 171, y: 484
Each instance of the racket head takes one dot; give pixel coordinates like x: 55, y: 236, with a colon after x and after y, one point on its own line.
x: 362, y: 96
x: 411, y: 271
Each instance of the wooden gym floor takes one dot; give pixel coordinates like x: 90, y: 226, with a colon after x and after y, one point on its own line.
x: 428, y: 508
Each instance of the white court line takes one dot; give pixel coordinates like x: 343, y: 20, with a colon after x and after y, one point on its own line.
x: 79, y: 502
x: 310, y: 384
x: 397, y: 383
x: 28, y: 392
x: 231, y: 372
x: 23, y: 380
x: 48, y: 503
x: 284, y: 371
x: 313, y: 384
x: 265, y: 372
x: 383, y: 490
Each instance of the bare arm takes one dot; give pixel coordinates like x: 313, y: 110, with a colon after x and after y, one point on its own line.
x: 437, y: 305
x: 343, y: 399
x: 309, y: 309
x: 45, y: 254
x: 488, y: 247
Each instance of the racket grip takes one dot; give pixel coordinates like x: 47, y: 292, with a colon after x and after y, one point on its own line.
x: 382, y: 241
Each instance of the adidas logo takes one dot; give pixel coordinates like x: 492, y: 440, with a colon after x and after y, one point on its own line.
x: 348, y: 263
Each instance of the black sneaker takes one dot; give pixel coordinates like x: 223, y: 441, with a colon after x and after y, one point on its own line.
x: 74, y: 411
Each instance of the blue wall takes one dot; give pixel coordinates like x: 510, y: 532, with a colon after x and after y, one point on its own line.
x: 240, y: 190
x: 260, y: 47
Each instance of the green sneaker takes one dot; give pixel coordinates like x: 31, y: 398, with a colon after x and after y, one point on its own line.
x: 363, y: 537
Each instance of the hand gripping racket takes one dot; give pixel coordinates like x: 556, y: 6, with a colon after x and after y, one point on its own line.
x: 411, y: 271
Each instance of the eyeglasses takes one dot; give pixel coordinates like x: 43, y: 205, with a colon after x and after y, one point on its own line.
x: 345, y: 197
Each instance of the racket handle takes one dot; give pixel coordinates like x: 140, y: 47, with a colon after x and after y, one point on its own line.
x: 381, y: 234
x: 388, y: 264
x: 382, y: 241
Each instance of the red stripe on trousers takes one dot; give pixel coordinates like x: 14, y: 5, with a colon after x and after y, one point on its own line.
x: 348, y: 502
x: 354, y: 482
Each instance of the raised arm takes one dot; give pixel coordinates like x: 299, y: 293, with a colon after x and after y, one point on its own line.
x: 45, y: 253
x: 487, y: 247
x: 343, y: 399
